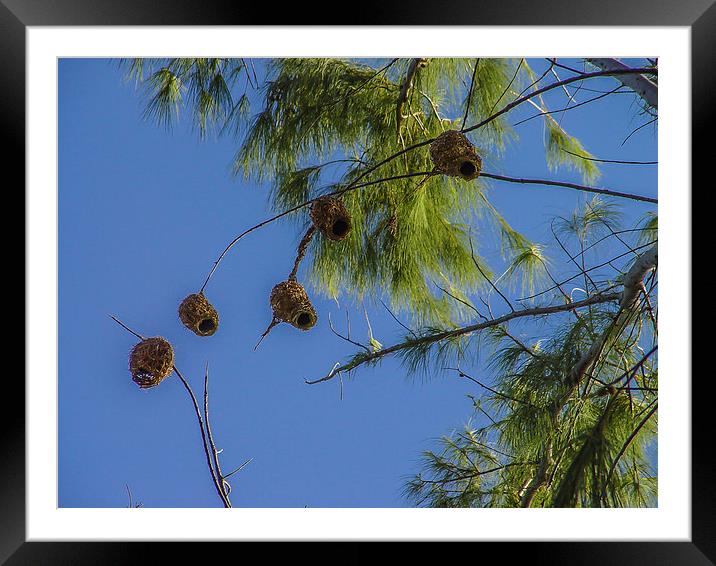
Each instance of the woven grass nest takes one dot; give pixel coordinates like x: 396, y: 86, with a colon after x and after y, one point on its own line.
x: 198, y: 315
x: 290, y: 303
x: 151, y: 361
x: 331, y: 217
x: 453, y: 154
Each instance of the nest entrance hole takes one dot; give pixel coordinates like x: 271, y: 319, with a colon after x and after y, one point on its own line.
x: 467, y: 169
x: 304, y: 319
x: 340, y: 227
x: 207, y: 325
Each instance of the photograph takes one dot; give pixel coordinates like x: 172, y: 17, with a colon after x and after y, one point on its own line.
x: 340, y: 282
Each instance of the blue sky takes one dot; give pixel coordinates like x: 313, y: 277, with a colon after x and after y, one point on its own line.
x: 142, y: 215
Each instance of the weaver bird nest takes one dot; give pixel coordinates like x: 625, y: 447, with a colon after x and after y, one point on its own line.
x: 151, y: 361
x: 198, y: 315
x: 453, y: 154
x: 330, y: 216
x: 290, y: 303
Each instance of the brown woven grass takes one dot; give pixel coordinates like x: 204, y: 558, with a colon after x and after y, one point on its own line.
x: 198, y: 315
x: 290, y: 303
x: 331, y: 217
x: 151, y: 361
x: 453, y: 154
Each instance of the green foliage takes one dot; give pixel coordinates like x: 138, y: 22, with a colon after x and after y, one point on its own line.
x: 323, y: 121
x: 648, y: 228
x: 491, y: 465
x: 203, y: 87
x: 595, y: 219
x: 322, y: 126
x: 564, y: 150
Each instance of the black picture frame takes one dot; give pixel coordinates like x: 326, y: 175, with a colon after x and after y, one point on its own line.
x: 699, y: 15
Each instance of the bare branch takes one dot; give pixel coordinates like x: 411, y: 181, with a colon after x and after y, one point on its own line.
x: 415, y: 65
x: 570, y: 186
x: 219, y: 489
x: 437, y: 337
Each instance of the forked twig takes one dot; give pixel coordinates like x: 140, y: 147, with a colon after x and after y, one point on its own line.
x: 197, y: 411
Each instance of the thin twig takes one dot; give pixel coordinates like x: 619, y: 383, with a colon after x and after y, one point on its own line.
x: 469, y: 94
x: 197, y: 411
x: 569, y: 186
x: 335, y: 193
x: 395, y: 318
x: 219, y: 487
x: 552, y: 86
x: 507, y: 88
x: 610, y: 160
x: 209, y: 435
x: 580, y: 273
x: 627, y: 442
x: 477, y: 265
x: 347, y: 339
x: 126, y: 327
x: 637, y: 129
x: 241, y: 467
x: 274, y: 322
x: 438, y: 336
x: 498, y: 393
x: 566, y: 108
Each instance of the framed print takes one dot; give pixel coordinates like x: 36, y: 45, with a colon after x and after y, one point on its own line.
x: 395, y: 281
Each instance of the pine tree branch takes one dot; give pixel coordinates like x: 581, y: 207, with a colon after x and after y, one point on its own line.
x: 569, y: 186
x: 469, y: 93
x: 610, y: 160
x: 558, y: 84
x: 439, y: 336
x: 566, y: 108
x: 505, y: 109
x: 556, y: 286
x: 338, y: 192
x: 493, y: 391
x: 633, y: 283
x: 415, y: 65
x: 627, y: 442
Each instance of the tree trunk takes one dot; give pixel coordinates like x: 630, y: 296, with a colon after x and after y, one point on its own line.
x: 633, y: 284
x: 647, y: 89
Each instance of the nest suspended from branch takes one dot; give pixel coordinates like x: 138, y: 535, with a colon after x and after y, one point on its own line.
x: 290, y: 303
x: 453, y: 154
x: 198, y: 315
x: 151, y: 361
x: 331, y: 217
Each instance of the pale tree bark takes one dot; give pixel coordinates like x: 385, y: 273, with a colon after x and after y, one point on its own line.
x: 415, y: 65
x: 647, y: 89
x: 633, y: 285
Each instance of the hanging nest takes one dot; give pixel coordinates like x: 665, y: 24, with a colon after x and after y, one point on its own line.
x: 290, y: 303
x: 198, y: 315
x: 453, y: 154
x: 331, y: 217
x: 151, y: 361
